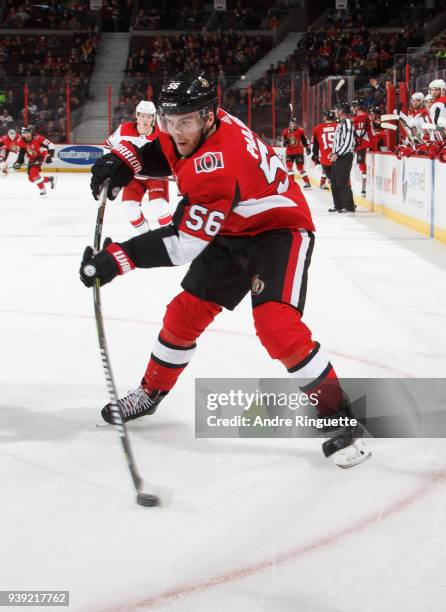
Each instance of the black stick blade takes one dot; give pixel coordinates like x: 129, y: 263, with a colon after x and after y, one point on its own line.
x: 147, y: 500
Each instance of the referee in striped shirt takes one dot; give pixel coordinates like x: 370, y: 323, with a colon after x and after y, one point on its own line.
x: 342, y: 158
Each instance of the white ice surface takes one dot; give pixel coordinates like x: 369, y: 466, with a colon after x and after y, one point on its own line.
x: 253, y: 525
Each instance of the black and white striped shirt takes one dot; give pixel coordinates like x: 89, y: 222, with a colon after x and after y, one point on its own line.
x: 344, y: 138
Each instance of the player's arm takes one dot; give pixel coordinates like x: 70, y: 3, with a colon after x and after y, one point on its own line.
x: 195, y: 224
x: 113, y: 139
x: 20, y: 158
x: 48, y: 145
x: 315, y: 151
x: 305, y: 143
x: 124, y: 161
x: 369, y: 129
x: 285, y: 140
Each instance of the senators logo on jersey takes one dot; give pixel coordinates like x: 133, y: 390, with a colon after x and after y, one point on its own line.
x: 208, y: 162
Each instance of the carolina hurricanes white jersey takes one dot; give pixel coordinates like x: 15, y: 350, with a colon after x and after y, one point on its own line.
x: 129, y: 132
x: 438, y: 109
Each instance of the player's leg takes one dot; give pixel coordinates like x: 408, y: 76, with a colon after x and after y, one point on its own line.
x: 278, y: 299
x: 159, y: 199
x: 132, y: 195
x: 361, y: 161
x: 301, y: 169
x: 212, y: 282
x: 325, y: 177
x: 35, y: 177
x: 3, y: 163
x: 289, y: 161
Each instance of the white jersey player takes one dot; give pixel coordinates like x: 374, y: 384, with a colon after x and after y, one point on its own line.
x: 437, y: 89
x: 139, y: 133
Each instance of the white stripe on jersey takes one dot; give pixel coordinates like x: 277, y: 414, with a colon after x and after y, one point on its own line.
x: 314, y: 368
x: 249, y: 208
x: 114, y: 139
x: 297, y: 281
x: 183, y: 248
x: 174, y: 356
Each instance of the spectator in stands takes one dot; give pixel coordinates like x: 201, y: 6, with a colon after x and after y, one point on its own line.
x: 6, y: 119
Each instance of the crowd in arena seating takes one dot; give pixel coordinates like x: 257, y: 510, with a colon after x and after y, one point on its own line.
x: 46, y: 105
x: 359, y: 52
x: 190, y: 16
x: 54, y: 14
x: 240, y: 15
x: 385, y: 13
x: 48, y: 56
x: 210, y: 51
x: 45, y: 65
x: 116, y: 15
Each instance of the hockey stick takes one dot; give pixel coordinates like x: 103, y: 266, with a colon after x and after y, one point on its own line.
x: 157, y: 178
x: 389, y: 117
x: 404, y: 120
x: 389, y: 126
x: 338, y: 88
x: 143, y: 499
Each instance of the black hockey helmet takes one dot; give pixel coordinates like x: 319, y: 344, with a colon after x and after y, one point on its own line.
x: 328, y: 115
x: 27, y: 129
x: 187, y: 92
x: 357, y: 103
x: 375, y: 110
x: 344, y: 107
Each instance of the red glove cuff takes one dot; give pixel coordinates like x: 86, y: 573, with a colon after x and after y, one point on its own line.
x: 123, y: 261
x: 127, y: 152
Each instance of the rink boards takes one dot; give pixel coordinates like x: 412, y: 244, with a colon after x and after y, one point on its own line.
x: 410, y: 191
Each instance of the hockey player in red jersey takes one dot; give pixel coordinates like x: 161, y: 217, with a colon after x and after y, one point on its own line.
x: 140, y: 132
x: 8, y: 144
x: 243, y: 226
x: 378, y: 142
x: 364, y: 135
x: 323, y: 135
x: 294, y: 139
x: 38, y: 150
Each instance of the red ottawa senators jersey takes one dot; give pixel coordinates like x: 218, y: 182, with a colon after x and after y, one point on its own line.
x: 294, y: 140
x: 378, y: 141
x: 233, y: 185
x: 323, y: 135
x: 10, y: 145
x: 37, y: 148
x: 363, y: 130
x: 129, y: 132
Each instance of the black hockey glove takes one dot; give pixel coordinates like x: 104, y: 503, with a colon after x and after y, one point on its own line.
x: 17, y: 165
x: 315, y: 160
x: 49, y: 159
x: 105, y: 265
x: 308, y: 150
x: 119, y: 166
x: 109, y: 167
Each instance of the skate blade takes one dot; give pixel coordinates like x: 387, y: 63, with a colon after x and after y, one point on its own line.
x: 357, y: 461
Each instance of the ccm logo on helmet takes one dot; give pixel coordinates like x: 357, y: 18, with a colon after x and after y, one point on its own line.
x: 209, y: 162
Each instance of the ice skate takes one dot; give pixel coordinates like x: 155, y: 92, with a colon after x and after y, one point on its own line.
x: 346, y: 447
x: 135, y: 404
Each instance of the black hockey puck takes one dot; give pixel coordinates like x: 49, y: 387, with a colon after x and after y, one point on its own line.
x: 147, y: 500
